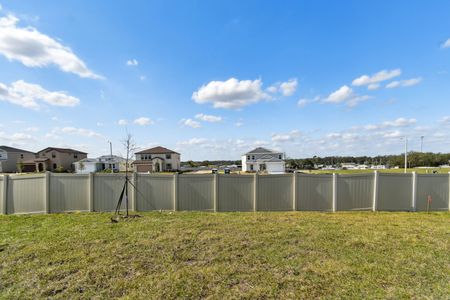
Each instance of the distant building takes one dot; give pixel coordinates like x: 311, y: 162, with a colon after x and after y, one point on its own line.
x: 55, y: 159
x: 105, y: 162
x: 349, y: 166
x: 263, y: 160
x: 157, y: 159
x: 11, y: 159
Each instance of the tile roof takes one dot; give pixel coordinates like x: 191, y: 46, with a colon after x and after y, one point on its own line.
x: 11, y: 149
x: 156, y: 150
x: 62, y: 150
x: 261, y: 150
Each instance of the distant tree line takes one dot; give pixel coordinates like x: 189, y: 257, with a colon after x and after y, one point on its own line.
x: 209, y: 163
x: 415, y: 159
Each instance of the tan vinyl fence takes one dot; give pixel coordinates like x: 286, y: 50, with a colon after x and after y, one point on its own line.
x: 53, y: 193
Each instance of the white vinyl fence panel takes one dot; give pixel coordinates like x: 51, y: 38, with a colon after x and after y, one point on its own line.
x: 275, y: 192
x: 314, y: 192
x: 235, y: 193
x: 355, y: 192
x: 154, y: 192
x: 107, y: 189
x: 436, y: 186
x: 29, y: 194
x: 395, y: 192
x: 196, y: 192
x: 69, y: 192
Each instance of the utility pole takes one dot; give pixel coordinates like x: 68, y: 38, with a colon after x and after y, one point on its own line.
x: 421, y: 143
x: 110, y: 154
x: 406, y: 153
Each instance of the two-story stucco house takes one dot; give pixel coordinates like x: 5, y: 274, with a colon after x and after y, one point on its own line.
x: 56, y: 159
x: 263, y: 160
x: 156, y: 159
x: 11, y: 159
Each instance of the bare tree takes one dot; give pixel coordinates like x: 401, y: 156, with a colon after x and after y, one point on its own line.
x: 130, y: 147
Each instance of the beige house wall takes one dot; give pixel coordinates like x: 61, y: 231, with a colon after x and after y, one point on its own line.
x: 10, y: 164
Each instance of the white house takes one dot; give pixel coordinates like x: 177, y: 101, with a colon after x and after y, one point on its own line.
x: 105, y: 162
x: 263, y: 160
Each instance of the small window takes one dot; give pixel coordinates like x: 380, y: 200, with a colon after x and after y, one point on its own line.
x: 251, y: 167
x: 169, y: 166
x: 53, y: 155
x: 168, y: 156
x: 21, y: 156
x: 75, y: 156
x: 248, y: 157
x: 253, y: 157
x: 279, y: 156
x: 54, y: 166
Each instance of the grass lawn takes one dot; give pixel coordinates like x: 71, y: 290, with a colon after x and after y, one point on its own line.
x: 226, y: 255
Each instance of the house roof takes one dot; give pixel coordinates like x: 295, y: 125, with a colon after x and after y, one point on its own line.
x: 261, y: 150
x: 156, y: 150
x: 62, y: 150
x: 11, y: 149
x: 142, y: 162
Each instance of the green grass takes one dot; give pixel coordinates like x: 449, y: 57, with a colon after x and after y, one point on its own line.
x: 401, y: 170
x: 226, y: 255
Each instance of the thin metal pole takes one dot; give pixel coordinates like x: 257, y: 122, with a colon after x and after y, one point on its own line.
x: 421, y: 144
x: 406, y: 153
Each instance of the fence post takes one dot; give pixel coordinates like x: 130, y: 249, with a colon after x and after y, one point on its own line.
x: 414, y: 191
x: 255, y: 192
x: 91, y: 192
x: 334, y: 192
x: 294, y: 191
x: 47, y: 192
x: 134, y: 187
x: 448, y: 192
x: 375, y: 191
x: 175, y: 192
x: 4, y: 199
x: 216, y: 191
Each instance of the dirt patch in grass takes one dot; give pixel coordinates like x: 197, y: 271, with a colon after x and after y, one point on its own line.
x: 226, y: 255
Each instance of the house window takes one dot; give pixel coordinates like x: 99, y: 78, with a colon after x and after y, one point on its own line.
x: 279, y: 156
x: 248, y: 157
x: 168, y: 156
x: 169, y: 166
x: 21, y: 156
x: 53, y: 155
x: 253, y: 157
x: 54, y: 167
x: 75, y: 156
x: 251, y: 167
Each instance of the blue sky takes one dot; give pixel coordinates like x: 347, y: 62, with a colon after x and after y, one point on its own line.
x: 214, y: 79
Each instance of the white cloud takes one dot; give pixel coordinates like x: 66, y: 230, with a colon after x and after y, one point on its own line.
x: 239, y: 124
x: 373, y: 86
x: 289, y: 87
x: 142, y: 121
x: 286, y: 88
x: 445, y: 120
x: 32, y: 129
x: 100, y: 124
x: 377, y: 77
x: 230, y: 94
x: 122, y: 122
x: 79, y: 131
x: 208, y: 118
x: 142, y: 78
x: 342, y: 94
x: 132, y: 62
x: 28, y: 95
x: 288, y: 137
x: 193, y: 142
x: 190, y: 123
x: 304, y: 101
x: 446, y: 44
x: 399, y: 122
x: 34, y: 49
x: 404, y: 83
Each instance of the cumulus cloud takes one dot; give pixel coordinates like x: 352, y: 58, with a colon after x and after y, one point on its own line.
x: 29, y: 95
x: 122, y: 122
x: 286, y: 88
x: 399, y: 122
x: 287, y: 137
x: 373, y: 86
x: 377, y: 77
x: 345, y: 95
x: 190, y: 123
x: 404, y: 83
x: 208, y: 118
x: 305, y: 101
x: 446, y: 44
x: 230, y: 94
x: 35, y: 49
x: 132, y: 62
x: 193, y: 142
x: 142, y: 121
x: 79, y: 131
